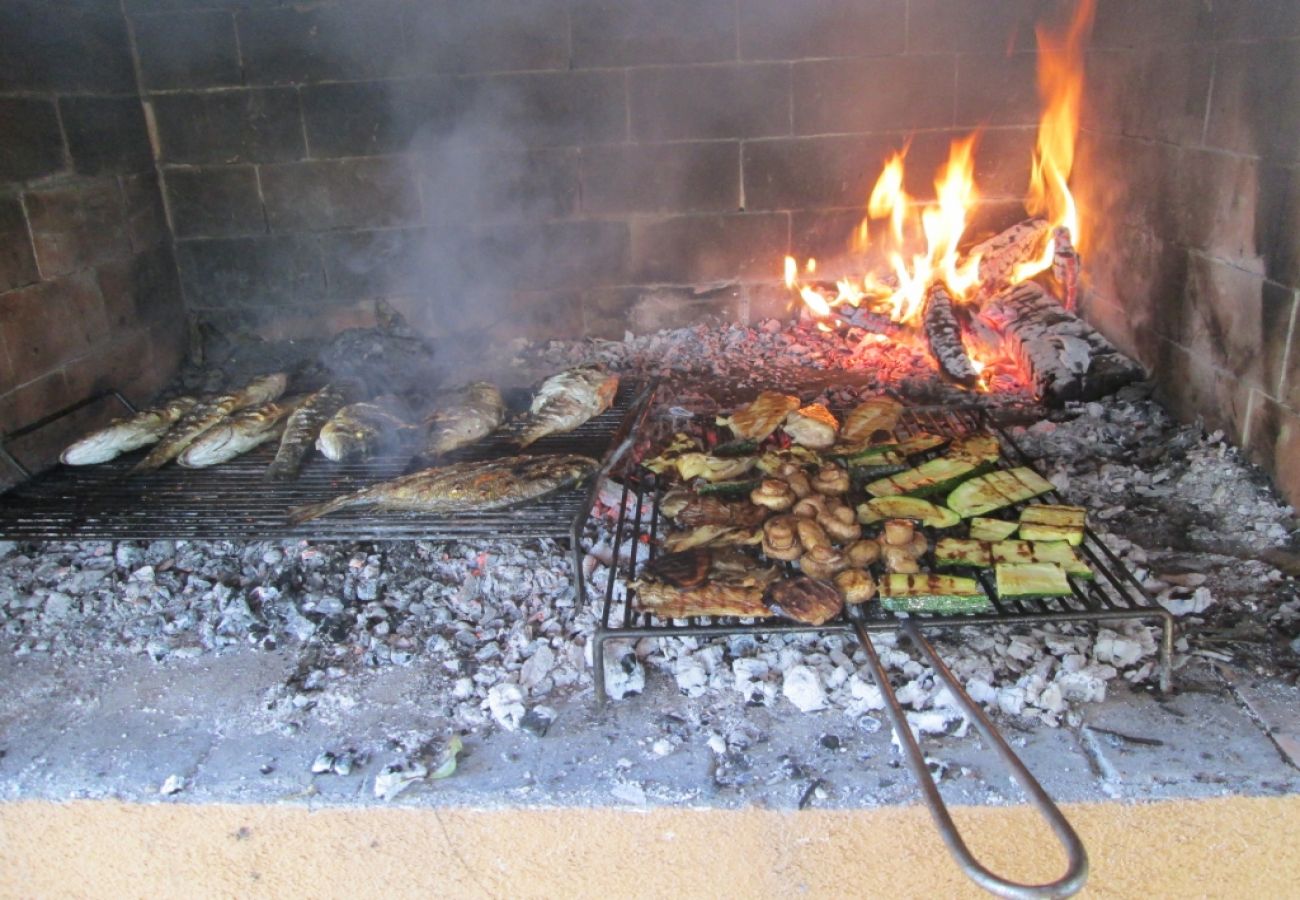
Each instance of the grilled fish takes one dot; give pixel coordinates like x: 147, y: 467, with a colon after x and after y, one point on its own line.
x: 463, y: 487
x: 208, y: 413
x: 762, y: 416
x: 567, y: 400
x: 301, y: 429
x: 361, y: 430
x: 463, y: 417
x: 239, y: 433
x: 127, y: 433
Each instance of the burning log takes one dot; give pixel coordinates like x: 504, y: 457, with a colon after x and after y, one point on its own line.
x: 1063, y: 356
x: 1065, y: 266
x: 943, y: 333
x: 1000, y: 254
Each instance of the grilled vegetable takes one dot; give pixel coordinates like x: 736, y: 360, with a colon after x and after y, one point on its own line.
x: 1032, y: 580
x: 982, y: 529
x: 934, y: 477
x: 986, y: 554
x: 856, y: 585
x: 126, y: 434
x: 995, y: 490
x: 712, y: 468
x: 975, y: 448
x: 567, y: 400
x: 773, y: 461
x: 667, y: 458
x: 711, y: 536
x: 875, y: 462
x: 923, y: 511
x: 812, y: 426
x: 920, y: 443
x: 831, y: 480
x: 933, y: 594
x: 728, y: 489
x: 736, y: 448
x: 1053, y: 523
x: 758, y: 419
x: 822, y: 561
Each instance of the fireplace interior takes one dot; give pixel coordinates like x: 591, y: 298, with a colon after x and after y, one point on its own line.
x: 710, y: 198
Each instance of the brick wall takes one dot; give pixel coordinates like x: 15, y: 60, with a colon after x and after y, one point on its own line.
x: 557, y: 166
x: 1188, y: 170
x: 89, y: 295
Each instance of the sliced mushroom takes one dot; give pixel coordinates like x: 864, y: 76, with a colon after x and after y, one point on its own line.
x: 856, y: 585
x: 863, y: 553
x: 774, y: 494
x: 811, y: 534
x: 831, y: 479
x: 781, y: 538
x: 822, y: 561
x: 898, y: 532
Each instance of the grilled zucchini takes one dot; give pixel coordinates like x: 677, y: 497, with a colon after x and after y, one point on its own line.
x: 922, y: 511
x: 933, y: 594
x: 934, y: 477
x: 1031, y: 580
x: 985, y: 554
x: 982, y: 529
x: 1053, y: 523
x: 995, y: 490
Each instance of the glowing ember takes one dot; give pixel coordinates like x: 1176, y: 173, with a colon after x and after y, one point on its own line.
x: 1060, y: 85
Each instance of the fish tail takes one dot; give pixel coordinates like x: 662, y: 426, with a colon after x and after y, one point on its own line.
x: 300, y: 514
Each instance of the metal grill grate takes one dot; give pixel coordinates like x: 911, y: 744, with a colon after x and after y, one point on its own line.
x: 233, y: 501
x: 1113, y: 594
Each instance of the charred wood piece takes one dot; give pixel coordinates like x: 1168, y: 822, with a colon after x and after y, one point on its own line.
x: 1064, y: 357
x: 943, y: 332
x: 1000, y: 254
x: 1065, y: 266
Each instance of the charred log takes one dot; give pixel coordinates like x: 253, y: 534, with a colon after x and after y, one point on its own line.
x: 1000, y: 254
x: 1064, y: 357
x: 1065, y: 266
x: 943, y: 332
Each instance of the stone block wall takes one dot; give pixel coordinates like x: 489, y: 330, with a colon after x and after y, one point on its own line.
x: 1188, y: 175
x: 89, y: 293
x: 553, y: 166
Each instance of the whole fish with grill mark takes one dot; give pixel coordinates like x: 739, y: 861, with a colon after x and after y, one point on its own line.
x: 464, y: 416
x: 463, y: 487
x: 301, y: 429
x: 567, y: 400
x: 127, y: 433
x: 208, y: 413
x: 359, y: 431
x: 239, y: 433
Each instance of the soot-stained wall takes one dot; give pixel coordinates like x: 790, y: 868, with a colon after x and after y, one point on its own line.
x: 554, y: 167
x: 89, y: 296
x: 1187, y: 175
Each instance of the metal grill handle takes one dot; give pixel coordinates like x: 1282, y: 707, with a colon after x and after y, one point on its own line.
x: 1077, y: 871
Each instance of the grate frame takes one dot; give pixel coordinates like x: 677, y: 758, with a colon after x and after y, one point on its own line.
x: 1114, y: 594
x: 234, y: 501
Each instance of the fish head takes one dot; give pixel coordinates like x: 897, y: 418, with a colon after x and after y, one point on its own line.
x: 339, y: 440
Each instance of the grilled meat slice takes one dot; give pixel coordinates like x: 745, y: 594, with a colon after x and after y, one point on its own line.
x: 805, y: 599
x: 812, y: 426
x: 127, y: 433
x: 711, y: 536
x: 567, y: 400
x: 715, y: 511
x: 463, y: 417
x: 762, y: 416
x: 463, y: 487
x: 362, y: 430
x: 208, y: 413
x: 239, y: 433
x: 734, y: 586
x: 683, y: 570
x: 871, y: 422
x: 301, y: 429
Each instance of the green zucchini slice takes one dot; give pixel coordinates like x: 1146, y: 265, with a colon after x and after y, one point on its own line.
x: 1040, y: 522
x: 729, y: 489
x: 995, y: 490
x: 933, y: 594
x: 963, y: 552
x: 934, y: 477
x: 922, y: 511
x: 1031, y: 580
x: 982, y: 529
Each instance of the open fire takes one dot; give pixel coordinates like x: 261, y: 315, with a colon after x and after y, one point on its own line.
x: 932, y: 278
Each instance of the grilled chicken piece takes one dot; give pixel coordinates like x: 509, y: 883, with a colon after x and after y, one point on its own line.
x: 812, y: 426
x: 761, y: 417
x: 805, y: 599
x: 871, y: 422
x: 463, y: 417
x: 238, y: 434
x: 301, y: 429
x: 208, y: 413
x: 711, y: 536
x: 127, y: 433
x: 734, y: 586
x: 567, y: 400
x: 463, y: 487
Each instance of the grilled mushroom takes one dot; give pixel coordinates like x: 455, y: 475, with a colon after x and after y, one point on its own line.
x: 900, y: 560
x: 822, y: 561
x: 918, y: 545
x: 898, y: 532
x: 810, y: 507
x: 840, y: 522
x: 856, y: 585
x: 773, y: 493
x: 831, y: 479
x: 795, y: 477
x: 781, y: 539
x: 811, y: 534
x: 863, y: 553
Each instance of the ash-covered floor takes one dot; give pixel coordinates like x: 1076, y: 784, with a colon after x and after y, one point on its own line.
x: 290, y: 671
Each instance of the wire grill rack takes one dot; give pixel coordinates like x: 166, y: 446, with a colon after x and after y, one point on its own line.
x: 234, y: 501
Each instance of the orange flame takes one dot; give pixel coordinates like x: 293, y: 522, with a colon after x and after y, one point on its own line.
x: 1060, y: 85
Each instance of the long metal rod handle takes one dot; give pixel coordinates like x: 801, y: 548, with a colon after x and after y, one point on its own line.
x: 1077, y: 871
